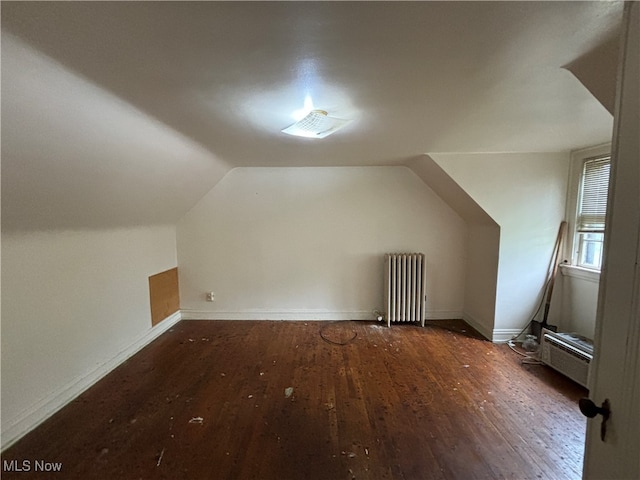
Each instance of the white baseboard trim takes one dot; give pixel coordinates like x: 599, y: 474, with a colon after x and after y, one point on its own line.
x: 308, y: 315
x: 304, y: 315
x: 503, y: 335
x: 496, y: 335
x: 482, y: 329
x: 42, y: 410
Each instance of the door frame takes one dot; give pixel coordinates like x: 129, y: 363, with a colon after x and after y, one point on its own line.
x: 616, y: 367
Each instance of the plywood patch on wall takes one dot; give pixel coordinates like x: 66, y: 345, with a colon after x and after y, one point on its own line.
x: 164, y: 294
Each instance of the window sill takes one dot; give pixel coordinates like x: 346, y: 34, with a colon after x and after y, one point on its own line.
x: 581, y: 273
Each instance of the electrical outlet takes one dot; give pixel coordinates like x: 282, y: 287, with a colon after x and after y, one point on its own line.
x: 211, y: 296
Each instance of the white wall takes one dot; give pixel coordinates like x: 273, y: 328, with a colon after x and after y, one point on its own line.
x: 483, y: 246
x: 308, y: 243
x: 75, y: 303
x: 525, y: 194
x: 574, y: 309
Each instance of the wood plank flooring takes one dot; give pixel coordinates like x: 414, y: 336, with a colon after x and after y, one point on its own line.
x: 208, y: 400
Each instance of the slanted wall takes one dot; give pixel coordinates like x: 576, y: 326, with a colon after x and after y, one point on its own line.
x: 524, y: 193
x: 481, y: 246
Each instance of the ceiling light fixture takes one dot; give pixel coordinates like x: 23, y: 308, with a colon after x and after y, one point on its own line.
x: 316, y: 124
x: 304, y: 111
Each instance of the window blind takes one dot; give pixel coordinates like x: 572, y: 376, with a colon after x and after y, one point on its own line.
x: 592, y: 207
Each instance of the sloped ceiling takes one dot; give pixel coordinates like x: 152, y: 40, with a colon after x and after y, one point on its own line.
x: 125, y: 113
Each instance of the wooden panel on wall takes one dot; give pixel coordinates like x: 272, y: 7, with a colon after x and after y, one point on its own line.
x: 164, y: 294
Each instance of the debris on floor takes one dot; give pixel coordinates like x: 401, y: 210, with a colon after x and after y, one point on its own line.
x: 197, y: 420
x: 288, y: 392
x: 160, y: 458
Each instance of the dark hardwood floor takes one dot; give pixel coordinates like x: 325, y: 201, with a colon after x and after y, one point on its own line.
x: 213, y: 400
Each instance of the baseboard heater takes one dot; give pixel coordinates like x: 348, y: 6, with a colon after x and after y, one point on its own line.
x: 568, y: 353
x: 405, y: 287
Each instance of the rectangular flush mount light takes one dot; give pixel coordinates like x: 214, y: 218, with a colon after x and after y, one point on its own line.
x: 317, y: 124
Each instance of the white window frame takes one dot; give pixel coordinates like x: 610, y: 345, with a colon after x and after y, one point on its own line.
x: 573, y: 244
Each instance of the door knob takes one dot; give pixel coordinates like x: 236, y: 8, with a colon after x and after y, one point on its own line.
x: 590, y: 410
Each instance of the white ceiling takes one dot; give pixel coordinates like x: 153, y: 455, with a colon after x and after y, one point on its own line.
x: 118, y: 113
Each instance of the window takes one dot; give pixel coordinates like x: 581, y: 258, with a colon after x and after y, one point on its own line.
x: 591, y: 212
